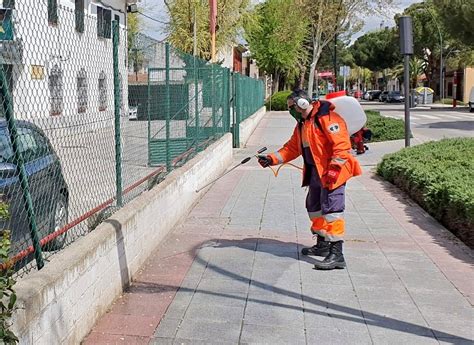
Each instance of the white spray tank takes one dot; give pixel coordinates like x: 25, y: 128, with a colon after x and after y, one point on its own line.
x: 349, y: 109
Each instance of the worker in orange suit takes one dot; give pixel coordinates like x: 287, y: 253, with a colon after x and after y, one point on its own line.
x: 321, y: 137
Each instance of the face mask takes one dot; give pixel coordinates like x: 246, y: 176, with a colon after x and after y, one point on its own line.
x: 296, y: 115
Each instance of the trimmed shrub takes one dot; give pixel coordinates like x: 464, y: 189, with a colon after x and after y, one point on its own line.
x: 384, y: 128
x: 439, y: 176
x: 278, y: 100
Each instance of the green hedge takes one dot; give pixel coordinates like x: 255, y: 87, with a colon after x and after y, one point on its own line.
x: 440, y: 177
x: 278, y: 100
x: 384, y: 128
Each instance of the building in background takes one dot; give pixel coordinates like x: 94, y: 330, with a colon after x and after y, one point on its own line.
x: 58, y: 57
x: 465, y: 82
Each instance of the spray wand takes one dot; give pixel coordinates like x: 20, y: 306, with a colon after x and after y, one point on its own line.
x: 245, y: 160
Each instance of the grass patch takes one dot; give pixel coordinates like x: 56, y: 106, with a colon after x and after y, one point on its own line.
x: 384, y: 128
x: 439, y: 176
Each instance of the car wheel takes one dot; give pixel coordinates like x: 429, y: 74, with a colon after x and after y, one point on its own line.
x: 58, y: 220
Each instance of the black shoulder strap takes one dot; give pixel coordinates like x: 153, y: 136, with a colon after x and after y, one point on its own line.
x: 324, y: 109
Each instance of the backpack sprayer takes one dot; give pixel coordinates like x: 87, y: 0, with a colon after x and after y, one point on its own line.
x: 245, y: 160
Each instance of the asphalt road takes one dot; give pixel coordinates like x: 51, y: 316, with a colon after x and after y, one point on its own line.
x: 430, y: 124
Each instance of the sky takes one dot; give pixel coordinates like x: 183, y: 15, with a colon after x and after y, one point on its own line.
x: 156, y: 9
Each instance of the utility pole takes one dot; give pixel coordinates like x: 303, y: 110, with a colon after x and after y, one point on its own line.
x: 213, y: 22
x: 195, y: 33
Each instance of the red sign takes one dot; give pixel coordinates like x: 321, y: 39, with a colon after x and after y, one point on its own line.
x: 325, y: 74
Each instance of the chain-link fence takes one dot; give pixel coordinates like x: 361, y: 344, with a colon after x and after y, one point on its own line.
x: 88, y: 123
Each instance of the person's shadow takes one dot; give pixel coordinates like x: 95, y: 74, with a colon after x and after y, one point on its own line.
x: 270, y: 246
x: 292, y: 250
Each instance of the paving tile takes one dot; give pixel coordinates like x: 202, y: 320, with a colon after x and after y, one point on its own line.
x: 140, y: 305
x: 161, y: 341
x: 346, y: 322
x: 334, y: 336
x: 455, y: 340
x: 216, y: 341
x: 270, y: 334
x: 272, y: 314
x: 265, y: 297
x: 197, y: 330
x: 389, y: 337
x: 167, y: 328
x: 226, y: 285
x: 393, y: 293
x: 127, y: 325
x: 231, y: 299
x: 99, y: 338
x: 214, y: 313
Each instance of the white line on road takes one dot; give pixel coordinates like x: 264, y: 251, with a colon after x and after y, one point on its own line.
x: 425, y: 116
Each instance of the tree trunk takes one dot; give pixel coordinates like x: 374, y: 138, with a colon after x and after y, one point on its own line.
x: 302, y: 77
x: 276, y: 81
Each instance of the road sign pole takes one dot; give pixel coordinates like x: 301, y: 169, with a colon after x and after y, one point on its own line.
x: 406, y: 49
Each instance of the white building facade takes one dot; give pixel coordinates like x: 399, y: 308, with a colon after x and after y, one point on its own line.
x: 58, y: 58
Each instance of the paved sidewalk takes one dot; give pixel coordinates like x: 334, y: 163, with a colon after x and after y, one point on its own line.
x: 231, y: 273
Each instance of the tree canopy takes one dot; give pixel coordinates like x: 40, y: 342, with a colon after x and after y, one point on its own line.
x: 231, y: 16
x: 331, y: 18
x: 276, y: 38
x: 457, y: 16
x: 377, y: 50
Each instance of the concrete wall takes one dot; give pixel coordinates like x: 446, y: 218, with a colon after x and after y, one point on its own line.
x: 247, y: 127
x: 61, y: 303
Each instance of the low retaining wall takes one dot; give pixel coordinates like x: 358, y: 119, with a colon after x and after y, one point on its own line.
x: 247, y: 126
x: 62, y: 302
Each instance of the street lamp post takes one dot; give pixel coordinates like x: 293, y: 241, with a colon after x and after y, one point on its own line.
x: 441, y: 80
x: 454, y: 51
x: 406, y: 49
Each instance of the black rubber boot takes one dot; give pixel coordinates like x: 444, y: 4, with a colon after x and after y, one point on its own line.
x: 335, y: 259
x: 321, y: 248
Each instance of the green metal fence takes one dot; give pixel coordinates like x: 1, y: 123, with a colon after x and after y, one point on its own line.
x: 87, y: 123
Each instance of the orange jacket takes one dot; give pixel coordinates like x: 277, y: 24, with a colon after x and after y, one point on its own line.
x: 329, y: 144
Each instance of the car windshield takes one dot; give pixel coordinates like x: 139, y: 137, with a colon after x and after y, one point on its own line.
x: 395, y: 93
x: 6, y: 151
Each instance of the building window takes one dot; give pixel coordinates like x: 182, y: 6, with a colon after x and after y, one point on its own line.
x: 79, y: 11
x: 104, y: 21
x: 102, y: 91
x: 56, y: 91
x: 53, y: 12
x: 82, y: 98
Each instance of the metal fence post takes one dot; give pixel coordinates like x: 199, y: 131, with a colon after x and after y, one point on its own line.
x: 117, y: 101
x: 148, y: 105
x: 226, y: 101
x: 196, y: 104
x: 167, y: 107
x: 20, y: 168
x: 213, y: 100
x: 238, y: 109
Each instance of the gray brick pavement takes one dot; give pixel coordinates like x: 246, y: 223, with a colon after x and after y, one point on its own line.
x: 249, y: 284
